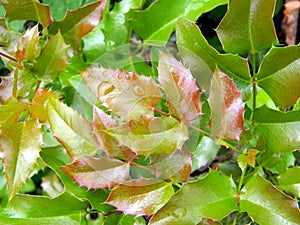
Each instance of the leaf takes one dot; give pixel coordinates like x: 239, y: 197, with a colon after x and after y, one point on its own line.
x: 71, y: 130
x: 78, y: 23
x: 289, y: 181
x: 6, y: 87
x: 124, y: 93
x: 280, y: 71
x: 202, y: 58
x: 64, y: 209
x: 20, y: 145
x: 52, y: 185
x: 240, y: 31
x: 267, y: 205
x: 182, y: 93
x: 280, y: 130
x: 149, y: 135
x: 8, y: 39
x: 165, y: 17
x: 11, y: 111
x: 27, y: 45
x: 141, y: 197
x: 120, y: 219
x: 97, y: 173
x: 52, y: 59
x: 213, y: 196
x: 227, y: 108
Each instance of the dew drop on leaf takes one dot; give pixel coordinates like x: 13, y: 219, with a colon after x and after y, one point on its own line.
x: 105, y: 88
x: 139, y: 91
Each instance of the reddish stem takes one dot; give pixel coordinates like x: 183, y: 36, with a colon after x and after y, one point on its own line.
x: 8, y: 57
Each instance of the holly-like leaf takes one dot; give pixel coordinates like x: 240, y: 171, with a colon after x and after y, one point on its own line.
x: 289, y: 181
x: 213, y: 196
x: 20, y: 145
x: 78, y: 23
x: 280, y: 71
x: 148, y: 135
x: 267, y: 205
x: 8, y: 39
x: 240, y: 31
x: 182, y: 93
x: 165, y: 17
x: 27, y: 46
x: 6, y: 87
x: 227, y: 108
x: 97, y: 173
x: 11, y: 111
x: 52, y: 185
x: 52, y: 59
x: 124, y: 93
x: 280, y: 130
x: 71, y: 130
x: 27, y: 10
x: 141, y: 197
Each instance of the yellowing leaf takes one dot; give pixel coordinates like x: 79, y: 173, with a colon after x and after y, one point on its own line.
x: 141, y: 197
x: 96, y: 173
x: 20, y: 146
x: 227, y: 108
x: 250, y: 157
x: 182, y: 93
x: 6, y: 87
x: 124, y: 93
x: 27, y: 45
x: 11, y: 111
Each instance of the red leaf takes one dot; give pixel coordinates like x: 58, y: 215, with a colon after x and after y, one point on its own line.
x: 227, y: 108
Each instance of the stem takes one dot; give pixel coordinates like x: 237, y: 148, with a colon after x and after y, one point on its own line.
x: 8, y: 57
x: 235, y: 218
x: 253, y: 85
x: 227, y: 145
x: 15, y: 85
x: 241, y: 180
x: 142, y: 167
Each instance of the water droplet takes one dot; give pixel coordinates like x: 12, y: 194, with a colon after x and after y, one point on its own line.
x: 120, y: 75
x: 105, y: 88
x: 138, y: 91
x: 179, y: 213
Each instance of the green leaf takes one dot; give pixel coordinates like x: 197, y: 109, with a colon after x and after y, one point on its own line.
x: 240, y: 31
x: 78, y: 23
x: 27, y: 46
x: 289, y: 181
x: 148, y: 135
x: 70, y: 129
x: 267, y: 205
x: 20, y: 145
x: 123, y: 219
x: 227, y: 108
x: 52, y: 59
x: 280, y: 71
x: 97, y: 173
x: 141, y: 197
x: 36, y: 210
x: 213, y: 196
x: 27, y: 10
x: 279, y: 129
x: 165, y: 17
x: 202, y: 58
x: 182, y: 93
x: 277, y: 162
x: 11, y: 111
x: 124, y: 93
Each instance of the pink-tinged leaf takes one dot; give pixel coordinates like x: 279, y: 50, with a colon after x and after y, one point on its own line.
x: 27, y: 45
x: 6, y: 87
x: 78, y: 23
x: 105, y: 142
x: 124, y: 93
x: 227, y: 108
x: 11, y: 111
x: 20, y: 147
x: 182, y: 93
x: 27, y: 10
x: 71, y: 130
x: 147, y: 135
x: 177, y: 166
x: 97, y: 173
x: 52, y: 59
x: 141, y: 197
x: 8, y: 39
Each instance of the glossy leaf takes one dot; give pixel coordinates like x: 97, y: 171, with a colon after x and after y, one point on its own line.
x: 267, y: 205
x: 52, y: 59
x: 52, y: 185
x: 280, y: 130
x: 97, y: 173
x: 8, y: 39
x: 213, y: 196
x: 27, y: 10
x: 78, y: 23
x: 71, y: 130
x: 20, y: 146
x: 289, y: 181
x: 148, y: 135
x: 6, y: 87
x: 182, y: 93
x: 27, y: 46
x: 240, y: 31
x: 280, y: 71
x: 11, y: 111
x: 124, y: 93
x: 165, y: 17
x: 227, y: 108
x: 141, y: 197
x: 36, y: 210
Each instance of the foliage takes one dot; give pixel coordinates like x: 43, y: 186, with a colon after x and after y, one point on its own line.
x: 105, y: 122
